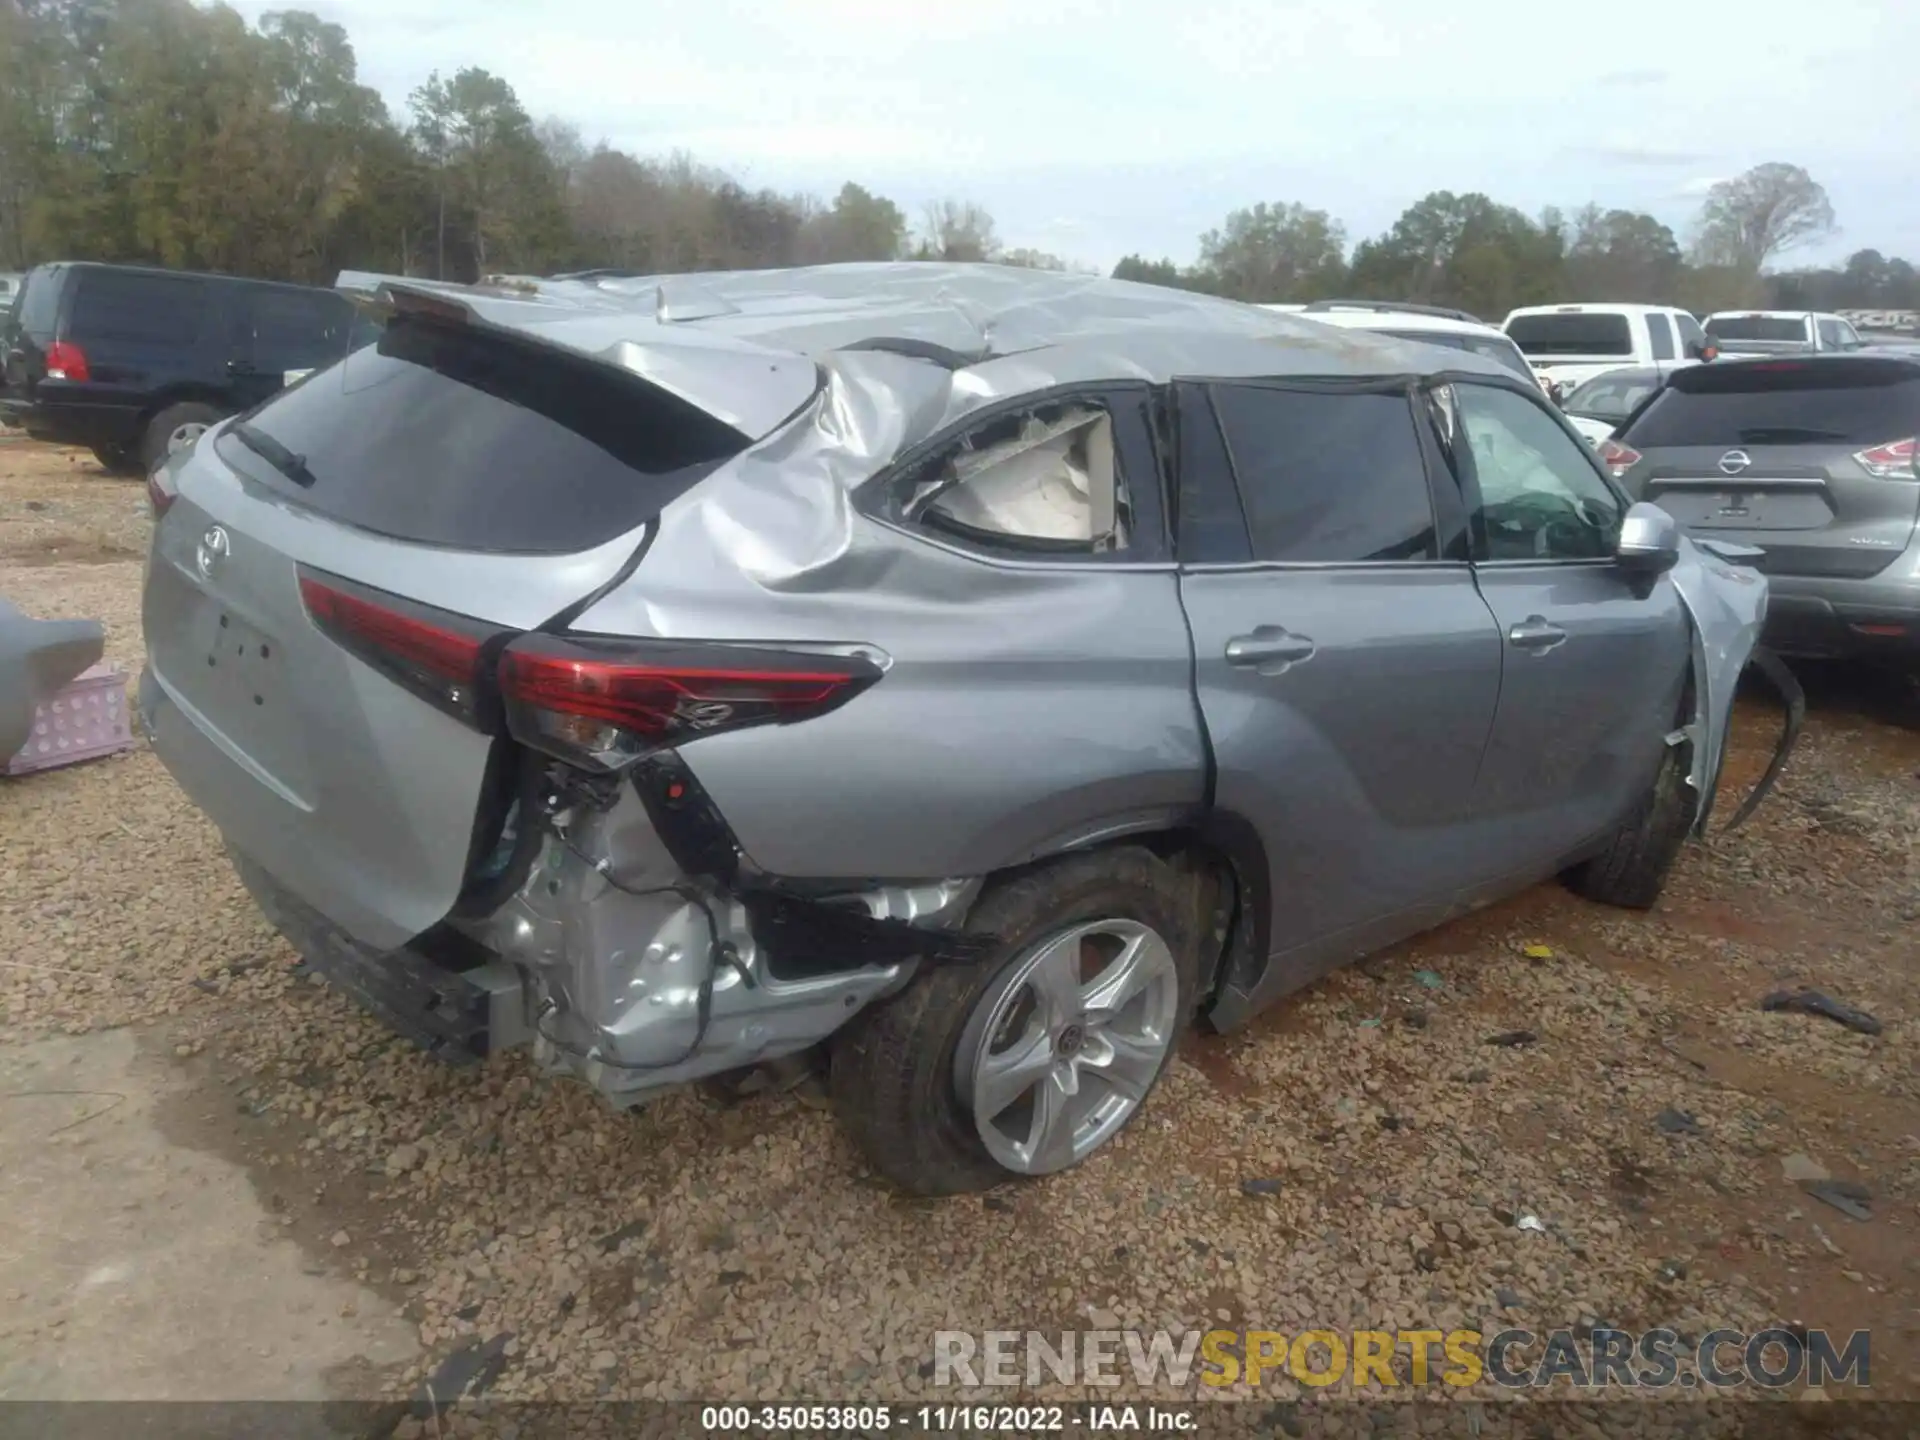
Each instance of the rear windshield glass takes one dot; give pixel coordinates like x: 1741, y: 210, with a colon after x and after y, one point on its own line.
x: 450, y: 436
x: 1757, y: 327
x: 1579, y: 333
x: 39, y: 304
x: 1501, y: 351
x: 1836, y: 402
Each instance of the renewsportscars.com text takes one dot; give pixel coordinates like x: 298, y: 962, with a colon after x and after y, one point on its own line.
x: 1604, y: 1358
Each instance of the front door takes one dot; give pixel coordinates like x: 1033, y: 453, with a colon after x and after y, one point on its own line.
x: 1346, y: 667
x: 1594, y: 661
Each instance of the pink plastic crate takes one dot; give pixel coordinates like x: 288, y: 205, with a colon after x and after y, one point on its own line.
x: 86, y: 719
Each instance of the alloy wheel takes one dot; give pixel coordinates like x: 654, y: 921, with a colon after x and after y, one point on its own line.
x: 1059, y: 1054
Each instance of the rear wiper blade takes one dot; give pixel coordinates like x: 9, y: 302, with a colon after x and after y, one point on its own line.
x: 1786, y: 435
x: 293, y: 466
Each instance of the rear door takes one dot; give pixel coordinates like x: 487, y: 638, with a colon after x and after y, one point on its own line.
x: 1593, y: 661
x: 463, y: 483
x: 1346, y: 667
x: 1809, y: 459
x: 140, y: 330
x: 28, y: 328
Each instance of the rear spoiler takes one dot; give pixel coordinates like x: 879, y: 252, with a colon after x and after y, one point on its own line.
x: 648, y: 334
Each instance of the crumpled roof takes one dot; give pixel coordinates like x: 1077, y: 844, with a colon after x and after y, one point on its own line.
x: 1022, y: 329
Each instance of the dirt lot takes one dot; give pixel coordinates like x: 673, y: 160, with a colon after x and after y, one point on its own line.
x: 191, y: 1129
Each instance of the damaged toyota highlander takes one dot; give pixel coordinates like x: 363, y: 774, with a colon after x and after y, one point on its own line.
x: 964, y: 676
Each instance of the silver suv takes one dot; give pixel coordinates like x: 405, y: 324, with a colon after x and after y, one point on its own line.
x: 1811, y: 459
x: 979, y: 671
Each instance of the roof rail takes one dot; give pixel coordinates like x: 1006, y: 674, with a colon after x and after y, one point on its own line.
x: 1393, y: 307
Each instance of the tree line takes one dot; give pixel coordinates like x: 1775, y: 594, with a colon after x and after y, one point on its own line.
x: 1471, y: 253
x: 164, y: 132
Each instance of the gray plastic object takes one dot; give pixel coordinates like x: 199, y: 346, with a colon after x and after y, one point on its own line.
x: 37, y: 657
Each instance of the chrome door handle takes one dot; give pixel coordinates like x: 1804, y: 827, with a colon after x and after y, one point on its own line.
x: 1537, y: 634
x: 1270, y: 650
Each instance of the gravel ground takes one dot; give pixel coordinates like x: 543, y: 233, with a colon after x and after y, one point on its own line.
x: 695, y: 1250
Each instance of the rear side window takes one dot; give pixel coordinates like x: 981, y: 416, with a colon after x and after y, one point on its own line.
x: 1660, y: 331
x: 1811, y: 402
x: 1328, y: 476
x: 454, y: 436
x: 38, y: 307
x: 1573, y: 333
x: 295, y: 330
x: 136, y: 309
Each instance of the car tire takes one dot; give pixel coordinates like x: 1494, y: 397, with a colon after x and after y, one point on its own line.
x: 118, y: 459
x: 187, y: 418
x: 1632, y: 871
x: 902, y: 1071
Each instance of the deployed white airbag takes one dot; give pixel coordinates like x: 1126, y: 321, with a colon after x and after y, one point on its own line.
x: 1053, y: 481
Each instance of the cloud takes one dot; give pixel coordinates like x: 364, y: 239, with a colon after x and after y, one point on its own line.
x: 1635, y: 78
x: 1645, y: 155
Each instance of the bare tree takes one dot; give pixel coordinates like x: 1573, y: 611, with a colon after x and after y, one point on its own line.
x: 1750, y: 219
x: 958, y: 230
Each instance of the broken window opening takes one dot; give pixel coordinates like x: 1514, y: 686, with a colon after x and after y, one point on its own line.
x: 1044, y: 480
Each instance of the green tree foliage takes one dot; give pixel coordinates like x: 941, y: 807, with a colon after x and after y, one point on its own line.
x: 1270, y: 253
x: 1464, y: 251
x: 1149, y: 272
x: 161, y: 132
x: 1620, y: 255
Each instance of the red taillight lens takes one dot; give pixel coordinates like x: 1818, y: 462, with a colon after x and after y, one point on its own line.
x: 67, y: 361
x: 606, y: 702
x: 159, y: 493
x: 1618, y: 458
x: 437, y: 655
x: 1891, y: 461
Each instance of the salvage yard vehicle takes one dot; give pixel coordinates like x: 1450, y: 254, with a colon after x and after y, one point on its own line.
x: 978, y: 672
x: 1811, y: 459
x: 1600, y: 406
x: 136, y: 363
x: 1570, y: 344
x: 1780, y: 332
x: 1425, y: 324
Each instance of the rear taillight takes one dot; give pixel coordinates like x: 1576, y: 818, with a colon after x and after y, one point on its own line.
x: 441, y: 657
x: 67, y: 361
x: 1891, y: 461
x: 1618, y: 458
x: 160, y: 493
x: 603, y: 703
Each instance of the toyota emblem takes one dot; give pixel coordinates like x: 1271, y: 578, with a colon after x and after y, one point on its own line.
x: 1734, y: 461
x: 214, y: 546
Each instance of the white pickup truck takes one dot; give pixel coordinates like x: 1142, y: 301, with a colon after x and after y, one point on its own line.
x: 1570, y: 344
x: 1781, y: 332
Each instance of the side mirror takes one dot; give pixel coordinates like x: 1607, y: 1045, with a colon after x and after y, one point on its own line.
x: 1704, y: 350
x: 1649, y: 540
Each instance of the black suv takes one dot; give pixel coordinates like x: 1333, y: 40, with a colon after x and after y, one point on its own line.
x: 135, y: 363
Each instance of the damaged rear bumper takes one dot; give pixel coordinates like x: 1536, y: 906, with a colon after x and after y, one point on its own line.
x: 620, y: 967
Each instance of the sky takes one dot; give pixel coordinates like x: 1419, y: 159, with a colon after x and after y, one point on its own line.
x: 1098, y: 128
